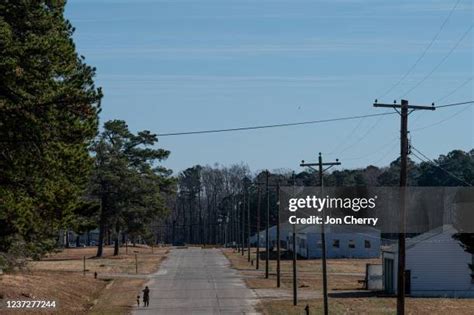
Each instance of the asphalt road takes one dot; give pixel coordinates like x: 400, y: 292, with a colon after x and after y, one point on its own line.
x: 198, y: 281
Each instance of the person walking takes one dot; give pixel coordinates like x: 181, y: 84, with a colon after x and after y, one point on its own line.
x: 146, y: 297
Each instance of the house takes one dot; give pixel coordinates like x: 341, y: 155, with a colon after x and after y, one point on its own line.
x: 341, y: 242
x: 436, y: 265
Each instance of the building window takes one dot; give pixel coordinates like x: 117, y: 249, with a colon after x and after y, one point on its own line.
x: 335, y: 243
x: 352, y: 244
x: 367, y: 244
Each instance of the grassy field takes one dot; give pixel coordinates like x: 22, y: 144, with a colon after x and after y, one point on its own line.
x: 346, y: 296
x: 343, y: 274
x: 60, y: 277
x: 72, y: 260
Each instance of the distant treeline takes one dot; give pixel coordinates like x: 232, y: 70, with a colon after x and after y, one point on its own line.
x: 210, y: 200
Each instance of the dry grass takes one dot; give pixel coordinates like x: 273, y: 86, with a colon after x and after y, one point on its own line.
x: 118, y: 296
x: 72, y: 260
x: 59, y: 277
x: 370, y: 306
x: 343, y: 274
x: 73, y: 293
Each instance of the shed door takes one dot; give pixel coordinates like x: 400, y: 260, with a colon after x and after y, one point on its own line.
x: 388, y: 275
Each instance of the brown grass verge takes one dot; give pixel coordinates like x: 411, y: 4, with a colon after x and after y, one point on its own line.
x: 118, y: 297
x: 73, y: 293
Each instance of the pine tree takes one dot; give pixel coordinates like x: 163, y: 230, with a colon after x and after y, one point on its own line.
x: 48, y: 116
x: 127, y: 181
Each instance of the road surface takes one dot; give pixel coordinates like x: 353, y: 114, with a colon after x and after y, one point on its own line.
x: 198, y: 281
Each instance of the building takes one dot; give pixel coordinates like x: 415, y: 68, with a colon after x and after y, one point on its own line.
x: 436, y: 265
x: 341, y: 242
x: 272, y: 236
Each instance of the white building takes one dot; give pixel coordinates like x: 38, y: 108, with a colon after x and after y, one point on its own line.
x: 436, y: 265
x: 272, y: 236
x: 341, y: 242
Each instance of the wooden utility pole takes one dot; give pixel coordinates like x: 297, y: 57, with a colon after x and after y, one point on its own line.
x: 136, y: 263
x: 295, y: 281
x: 248, y: 224
x: 404, y: 151
x: 278, y: 235
x: 295, y: 284
x: 238, y: 225
x: 243, y: 225
x: 258, y: 225
x: 320, y: 165
x: 267, y: 241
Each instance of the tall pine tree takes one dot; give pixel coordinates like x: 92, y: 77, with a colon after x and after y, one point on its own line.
x: 48, y: 116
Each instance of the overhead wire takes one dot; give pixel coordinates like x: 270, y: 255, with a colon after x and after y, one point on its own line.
x: 427, y: 159
x: 311, y: 122
x: 423, y: 53
x: 440, y: 63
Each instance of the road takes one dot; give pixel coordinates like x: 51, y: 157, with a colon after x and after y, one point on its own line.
x: 198, y: 281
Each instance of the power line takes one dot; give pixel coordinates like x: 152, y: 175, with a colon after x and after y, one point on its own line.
x: 455, y: 90
x: 438, y: 166
x: 346, y: 139
x: 455, y: 104
x: 424, y: 52
x: 441, y: 121
x: 363, y: 136
x: 440, y: 63
x: 311, y: 122
x: 378, y: 150
x: 448, y: 95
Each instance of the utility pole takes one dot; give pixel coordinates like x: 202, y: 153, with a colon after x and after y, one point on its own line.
x: 267, y: 241
x: 278, y: 234
x: 237, y: 225
x: 243, y: 225
x: 320, y: 165
x: 258, y: 225
x: 248, y: 224
x: 295, y: 284
x: 404, y: 149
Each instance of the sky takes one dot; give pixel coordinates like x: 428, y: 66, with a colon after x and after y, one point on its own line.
x: 186, y: 65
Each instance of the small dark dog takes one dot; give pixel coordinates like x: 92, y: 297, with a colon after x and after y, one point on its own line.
x: 138, y: 300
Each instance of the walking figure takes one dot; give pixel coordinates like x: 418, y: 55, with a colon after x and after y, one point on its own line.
x: 138, y: 301
x: 146, y: 297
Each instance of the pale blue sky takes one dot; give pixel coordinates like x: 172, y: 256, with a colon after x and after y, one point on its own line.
x: 179, y: 65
